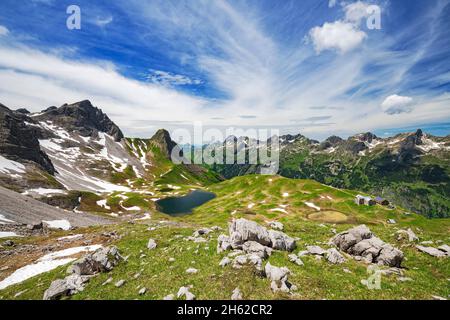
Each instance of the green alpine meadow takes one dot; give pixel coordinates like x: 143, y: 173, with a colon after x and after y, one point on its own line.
x: 234, y: 157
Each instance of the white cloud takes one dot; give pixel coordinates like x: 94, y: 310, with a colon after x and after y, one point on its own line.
x: 102, y: 22
x: 331, y: 3
x: 395, y: 104
x: 356, y: 11
x: 3, y: 31
x: 168, y: 78
x: 35, y: 80
x: 254, y: 70
x: 338, y: 35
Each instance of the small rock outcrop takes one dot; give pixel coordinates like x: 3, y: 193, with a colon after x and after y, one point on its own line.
x: 407, y: 234
x: 278, y: 277
x: 102, y: 260
x: 253, y: 247
x: 184, y: 292
x: 276, y: 225
x: 335, y: 257
x: 65, y: 287
x: 360, y: 242
x: 243, y: 230
x: 442, y: 251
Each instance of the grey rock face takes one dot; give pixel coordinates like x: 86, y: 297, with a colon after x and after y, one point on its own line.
x: 349, y: 238
x: 65, y: 287
x: 334, y: 256
x: 409, y: 234
x: 247, y: 259
x: 276, y: 225
x: 295, y: 259
x: 224, y: 262
x: 102, y: 260
x: 278, y: 277
x: 242, y: 230
x: 316, y: 250
x: 432, y: 251
x: 19, y: 141
x: 253, y: 247
x: 82, y: 117
x: 281, y: 241
x: 223, y: 243
x: 360, y: 242
x: 184, y: 292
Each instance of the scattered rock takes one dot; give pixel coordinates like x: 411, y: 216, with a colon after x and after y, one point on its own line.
x: 334, y: 256
x: 184, y: 291
x: 169, y: 297
x: 391, y: 221
x: 151, y: 244
x: 409, y: 234
x: 142, y: 291
x: 119, y: 283
x: 360, y: 242
x: 65, y: 287
x: 107, y: 281
x: 8, y: 243
x: 276, y: 225
x: 224, y: 262
x: 295, y: 259
x: 391, y: 271
x: 404, y: 279
x: 202, y: 232
x: 432, y: 251
x: 278, y: 277
x: 438, y: 298
x: 254, y: 247
x: 281, y: 241
x: 247, y: 259
x: 445, y: 248
x: 171, y: 259
x: 242, y: 230
x: 223, y: 243
x: 237, y: 294
x: 35, y: 226
x: 191, y: 270
x: 346, y: 270
x: 316, y: 250
x: 102, y: 260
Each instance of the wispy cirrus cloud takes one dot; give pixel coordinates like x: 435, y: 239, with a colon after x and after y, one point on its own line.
x: 171, y: 79
x: 247, y: 63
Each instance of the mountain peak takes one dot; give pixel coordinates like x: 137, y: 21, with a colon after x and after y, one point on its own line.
x: 82, y: 117
x: 163, y: 140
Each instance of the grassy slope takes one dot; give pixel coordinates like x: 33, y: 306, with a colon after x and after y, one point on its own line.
x: 421, y: 187
x: 316, y: 280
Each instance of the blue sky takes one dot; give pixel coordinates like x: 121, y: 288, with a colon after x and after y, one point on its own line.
x: 310, y: 66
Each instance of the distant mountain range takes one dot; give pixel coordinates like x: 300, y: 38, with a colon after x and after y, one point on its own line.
x: 410, y: 169
x: 77, y: 147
